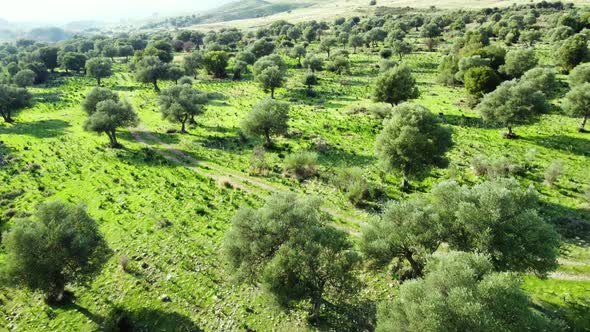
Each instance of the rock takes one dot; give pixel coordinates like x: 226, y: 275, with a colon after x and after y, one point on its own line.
x: 165, y: 298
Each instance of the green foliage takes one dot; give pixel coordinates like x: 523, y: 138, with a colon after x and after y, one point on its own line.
x: 542, y: 79
x: 395, y: 86
x: 411, y: 141
x: 95, y: 96
x: 215, y: 63
x: 298, y: 52
x: 401, y: 48
x: 13, y: 98
x: 181, y: 103
x: 175, y: 72
x: 511, y: 104
x: 460, y: 292
x: 577, y: 103
x: 290, y: 248
x: 268, y: 117
x: 480, y: 80
x: 469, y: 62
x: 150, y: 69
x: 408, y: 231
x: 192, y: 62
x: 518, y: 62
x: 313, y: 62
x: 99, y: 68
x: 48, y: 55
x: 339, y: 65
x: 109, y: 116
x: 73, y: 61
x: 354, y: 184
x: 268, y: 61
x: 302, y: 164
x: 271, y: 78
x: 262, y: 47
x: 327, y: 44
x: 579, y: 75
x: 59, y: 246
x: 24, y: 78
x: 500, y: 219
x: 572, y: 52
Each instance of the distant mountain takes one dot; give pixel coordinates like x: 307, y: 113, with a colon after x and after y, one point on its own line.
x: 51, y: 34
x: 238, y: 10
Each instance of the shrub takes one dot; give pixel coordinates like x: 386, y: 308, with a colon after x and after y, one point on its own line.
x: 553, y: 172
x: 302, y: 164
x: 494, y: 168
x: 354, y: 184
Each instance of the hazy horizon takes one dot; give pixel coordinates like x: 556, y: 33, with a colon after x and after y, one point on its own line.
x: 62, y: 11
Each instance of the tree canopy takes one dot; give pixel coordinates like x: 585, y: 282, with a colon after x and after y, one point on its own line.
x: 60, y: 245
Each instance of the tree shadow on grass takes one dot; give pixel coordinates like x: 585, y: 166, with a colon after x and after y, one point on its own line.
x: 38, y: 129
x: 571, y: 223
x: 145, y: 319
x: 575, y: 145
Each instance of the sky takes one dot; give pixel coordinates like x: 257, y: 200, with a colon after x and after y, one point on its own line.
x: 55, y: 11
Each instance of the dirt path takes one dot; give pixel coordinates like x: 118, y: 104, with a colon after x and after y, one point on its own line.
x: 236, y: 179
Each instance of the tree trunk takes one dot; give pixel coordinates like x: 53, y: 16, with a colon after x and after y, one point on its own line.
x: 268, y: 143
x: 510, y: 134
x: 7, y: 116
x: 98, y: 81
x: 56, y: 293
x: 272, y: 93
x: 183, y: 129
x: 317, y: 306
x: 156, y: 88
x: 405, y: 185
x: 416, y: 267
x: 582, y: 128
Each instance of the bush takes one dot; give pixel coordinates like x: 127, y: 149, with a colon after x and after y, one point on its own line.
x: 553, y: 172
x: 355, y: 186
x: 494, y: 168
x: 258, y: 163
x: 386, y: 53
x: 302, y: 164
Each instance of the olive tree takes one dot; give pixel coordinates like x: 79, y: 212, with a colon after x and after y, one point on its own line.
x: 150, y: 69
x: 215, y: 63
x: 430, y: 32
x: 268, y: 117
x: 411, y: 141
x: 480, y: 80
x: 518, y: 62
x: 271, y: 78
x: 310, y: 79
x: 313, y: 62
x: 461, y: 292
x: 298, y: 52
x: 395, y: 85
x: 579, y: 75
x: 109, y: 116
x: 407, y: 231
x: 512, y: 104
x: 99, y: 68
x: 13, y: 98
x: 501, y: 219
x: 577, y: 103
x: 95, y: 96
x: 542, y: 79
x: 181, y: 103
x: 61, y: 244
x: 192, y: 62
x: 24, y: 78
x: 573, y: 52
x: 327, y: 44
x: 289, y: 246
x: 401, y: 48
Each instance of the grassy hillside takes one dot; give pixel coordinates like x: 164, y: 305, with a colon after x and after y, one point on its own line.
x: 165, y: 200
x: 325, y: 10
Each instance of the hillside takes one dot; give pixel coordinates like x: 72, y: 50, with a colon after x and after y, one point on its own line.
x: 305, y: 10
x: 250, y: 182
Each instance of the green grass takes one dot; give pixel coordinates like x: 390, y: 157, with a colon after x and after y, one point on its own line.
x: 130, y: 192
